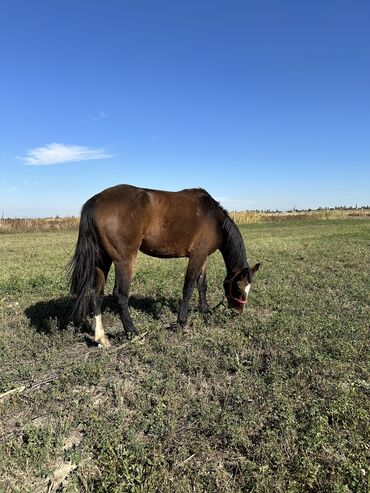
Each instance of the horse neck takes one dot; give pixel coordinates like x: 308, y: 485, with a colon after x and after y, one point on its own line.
x: 232, y: 248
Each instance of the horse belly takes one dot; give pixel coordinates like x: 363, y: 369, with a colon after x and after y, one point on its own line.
x: 168, y: 250
x: 166, y: 243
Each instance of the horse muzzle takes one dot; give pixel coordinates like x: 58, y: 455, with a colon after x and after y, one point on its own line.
x: 236, y: 304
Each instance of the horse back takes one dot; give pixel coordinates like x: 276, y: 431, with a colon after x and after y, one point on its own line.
x: 159, y: 223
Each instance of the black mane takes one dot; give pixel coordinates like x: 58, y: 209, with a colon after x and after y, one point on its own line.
x: 213, y: 207
x: 233, y: 248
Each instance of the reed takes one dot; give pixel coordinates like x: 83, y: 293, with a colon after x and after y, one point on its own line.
x: 249, y: 217
x: 18, y: 225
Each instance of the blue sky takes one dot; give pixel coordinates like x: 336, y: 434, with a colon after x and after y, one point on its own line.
x: 265, y: 104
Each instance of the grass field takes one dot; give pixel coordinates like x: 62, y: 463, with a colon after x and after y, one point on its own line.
x: 274, y: 401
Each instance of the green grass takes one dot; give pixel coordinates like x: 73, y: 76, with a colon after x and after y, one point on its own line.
x: 274, y: 401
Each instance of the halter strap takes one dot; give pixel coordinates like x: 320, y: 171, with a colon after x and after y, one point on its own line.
x: 238, y: 300
x: 230, y: 295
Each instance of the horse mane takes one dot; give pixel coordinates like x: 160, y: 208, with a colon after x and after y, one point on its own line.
x: 233, y: 248
x: 211, y: 204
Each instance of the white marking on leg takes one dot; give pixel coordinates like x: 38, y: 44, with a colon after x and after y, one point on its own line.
x: 100, y: 336
x: 247, y: 288
x: 99, y: 331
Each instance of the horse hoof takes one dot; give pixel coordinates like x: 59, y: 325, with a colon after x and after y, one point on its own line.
x: 131, y: 334
x: 174, y: 326
x: 204, y: 310
x: 103, y: 342
x: 206, y: 313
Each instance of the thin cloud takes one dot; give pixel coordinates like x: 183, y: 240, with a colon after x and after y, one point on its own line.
x: 60, y: 153
x: 100, y: 116
x: 10, y: 189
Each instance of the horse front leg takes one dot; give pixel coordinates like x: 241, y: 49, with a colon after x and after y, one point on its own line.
x: 192, y: 274
x: 202, y: 287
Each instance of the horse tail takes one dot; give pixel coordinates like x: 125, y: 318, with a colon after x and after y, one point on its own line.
x: 82, y: 265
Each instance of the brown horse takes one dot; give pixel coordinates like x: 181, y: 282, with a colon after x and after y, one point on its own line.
x: 118, y: 222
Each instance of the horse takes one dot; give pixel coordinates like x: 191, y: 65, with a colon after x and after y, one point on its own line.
x: 122, y: 220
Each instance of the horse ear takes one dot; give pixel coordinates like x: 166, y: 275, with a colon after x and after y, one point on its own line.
x: 255, y: 268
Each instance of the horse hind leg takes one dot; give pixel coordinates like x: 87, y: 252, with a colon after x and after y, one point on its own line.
x: 101, y: 275
x: 124, y: 273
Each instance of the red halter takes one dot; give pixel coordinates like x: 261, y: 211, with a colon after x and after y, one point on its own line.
x: 230, y: 295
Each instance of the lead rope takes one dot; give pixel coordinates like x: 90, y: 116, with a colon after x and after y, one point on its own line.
x: 222, y: 302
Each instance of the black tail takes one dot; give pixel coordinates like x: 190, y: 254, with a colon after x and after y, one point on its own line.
x: 82, y: 266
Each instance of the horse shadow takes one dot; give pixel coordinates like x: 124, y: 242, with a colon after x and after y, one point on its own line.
x: 57, y: 314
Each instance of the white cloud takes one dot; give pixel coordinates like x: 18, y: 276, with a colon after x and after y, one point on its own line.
x: 61, y: 153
